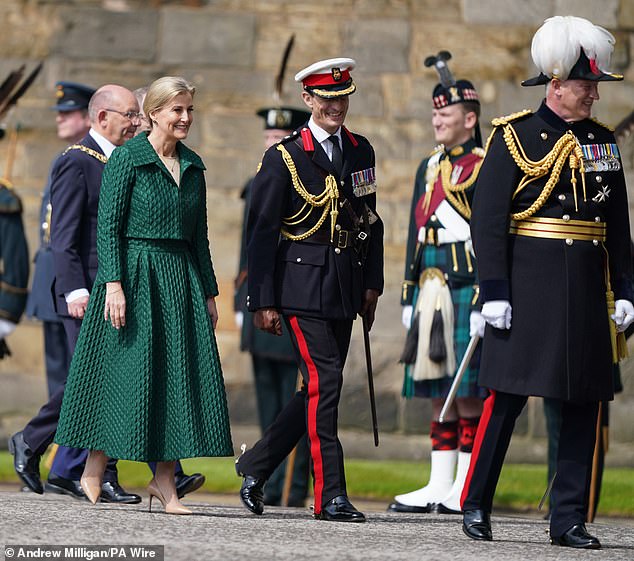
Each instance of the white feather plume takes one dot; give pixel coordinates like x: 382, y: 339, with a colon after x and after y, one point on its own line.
x: 558, y: 42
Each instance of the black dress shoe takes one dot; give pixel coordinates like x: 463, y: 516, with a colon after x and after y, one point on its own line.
x: 400, y: 507
x: 26, y: 463
x: 477, y: 525
x: 63, y: 486
x: 188, y: 483
x: 578, y: 537
x: 340, y: 509
x: 252, y: 494
x: 112, y: 492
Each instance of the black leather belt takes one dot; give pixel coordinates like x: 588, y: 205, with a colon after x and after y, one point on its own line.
x: 341, y: 239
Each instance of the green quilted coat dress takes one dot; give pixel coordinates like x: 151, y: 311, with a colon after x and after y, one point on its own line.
x: 153, y: 390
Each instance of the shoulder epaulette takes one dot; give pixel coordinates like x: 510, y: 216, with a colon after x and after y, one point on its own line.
x: 478, y: 151
x: 608, y: 127
x: 501, y: 121
x: 101, y: 157
x: 10, y: 203
x: 289, y: 137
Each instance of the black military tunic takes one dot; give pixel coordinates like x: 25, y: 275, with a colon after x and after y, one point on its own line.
x: 559, y: 342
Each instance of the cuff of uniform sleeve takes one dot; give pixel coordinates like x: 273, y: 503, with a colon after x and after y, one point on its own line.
x: 495, y: 289
x: 623, y: 290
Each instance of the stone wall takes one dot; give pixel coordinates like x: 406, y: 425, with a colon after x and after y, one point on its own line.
x: 231, y: 49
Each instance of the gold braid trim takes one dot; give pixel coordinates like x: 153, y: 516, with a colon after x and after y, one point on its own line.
x: 608, y: 127
x: 567, y: 146
x: 462, y: 206
x: 329, y: 195
x: 88, y: 151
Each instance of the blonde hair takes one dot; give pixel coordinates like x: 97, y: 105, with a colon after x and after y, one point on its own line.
x: 163, y: 90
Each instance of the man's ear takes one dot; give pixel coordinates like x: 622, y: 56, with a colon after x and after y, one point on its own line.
x: 308, y: 99
x: 470, y: 120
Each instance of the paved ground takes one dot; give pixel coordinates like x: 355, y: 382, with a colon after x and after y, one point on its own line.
x: 222, y: 529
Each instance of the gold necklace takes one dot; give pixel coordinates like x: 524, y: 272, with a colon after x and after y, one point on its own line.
x: 166, y: 160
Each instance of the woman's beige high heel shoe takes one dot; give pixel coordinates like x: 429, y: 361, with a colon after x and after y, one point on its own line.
x: 93, y: 474
x: 173, y: 507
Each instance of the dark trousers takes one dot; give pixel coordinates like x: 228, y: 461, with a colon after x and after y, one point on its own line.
x: 321, y: 346
x: 275, y: 385
x: 56, y: 355
x: 574, y: 460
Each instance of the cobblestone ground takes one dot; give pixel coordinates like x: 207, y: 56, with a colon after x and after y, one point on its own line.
x: 222, y: 529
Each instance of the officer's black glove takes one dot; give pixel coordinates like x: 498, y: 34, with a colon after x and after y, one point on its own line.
x: 4, y: 349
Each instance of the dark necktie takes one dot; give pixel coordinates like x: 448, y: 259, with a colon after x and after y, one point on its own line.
x: 337, y: 156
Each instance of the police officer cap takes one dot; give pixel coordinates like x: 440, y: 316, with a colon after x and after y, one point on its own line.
x: 72, y: 96
x: 328, y: 78
x: 459, y: 92
x: 284, y: 118
x: 571, y: 48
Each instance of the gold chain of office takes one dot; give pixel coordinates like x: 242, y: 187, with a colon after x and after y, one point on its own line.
x: 88, y: 151
x: 567, y: 148
x: 330, y: 194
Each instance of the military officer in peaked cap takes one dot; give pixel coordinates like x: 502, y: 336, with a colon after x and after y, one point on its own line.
x: 272, y: 357
x: 315, y: 253
x: 72, y: 125
x: 550, y: 228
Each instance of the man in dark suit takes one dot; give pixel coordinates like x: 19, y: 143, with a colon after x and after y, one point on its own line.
x: 272, y: 358
x: 72, y: 125
x: 315, y: 254
x: 551, y: 231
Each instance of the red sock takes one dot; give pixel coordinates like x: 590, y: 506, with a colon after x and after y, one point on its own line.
x: 468, y: 429
x: 444, y: 436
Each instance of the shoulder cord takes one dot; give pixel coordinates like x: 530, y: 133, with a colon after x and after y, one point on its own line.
x: 329, y: 195
x: 462, y: 206
x: 88, y: 151
x: 567, y: 147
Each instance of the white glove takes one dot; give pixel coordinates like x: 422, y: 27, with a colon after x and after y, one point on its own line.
x: 623, y: 315
x: 7, y: 327
x: 238, y: 317
x: 406, y: 317
x: 497, y: 313
x: 476, y: 324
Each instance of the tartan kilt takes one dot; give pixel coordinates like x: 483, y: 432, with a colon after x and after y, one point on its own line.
x: 461, y: 287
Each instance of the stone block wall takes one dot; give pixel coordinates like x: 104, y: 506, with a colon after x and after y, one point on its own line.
x: 231, y: 50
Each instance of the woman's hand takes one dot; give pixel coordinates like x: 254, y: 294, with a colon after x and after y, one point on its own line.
x: 213, y: 312
x: 114, y: 309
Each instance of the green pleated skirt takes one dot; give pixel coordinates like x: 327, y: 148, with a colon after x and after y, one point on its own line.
x: 152, y: 390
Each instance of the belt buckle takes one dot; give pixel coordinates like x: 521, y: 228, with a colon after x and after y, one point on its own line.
x: 343, y: 244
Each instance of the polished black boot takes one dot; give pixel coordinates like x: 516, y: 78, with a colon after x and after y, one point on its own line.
x: 63, y: 486
x: 340, y: 509
x: 186, y: 484
x: 26, y: 463
x: 578, y: 537
x: 112, y: 492
x: 477, y: 524
x: 252, y: 493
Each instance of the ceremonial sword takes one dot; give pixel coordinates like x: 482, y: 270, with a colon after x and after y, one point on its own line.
x: 458, y: 377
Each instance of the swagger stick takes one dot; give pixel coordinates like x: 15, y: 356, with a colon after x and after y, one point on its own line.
x: 458, y: 377
x: 368, y: 362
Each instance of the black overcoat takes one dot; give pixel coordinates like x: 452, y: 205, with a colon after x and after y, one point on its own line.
x: 303, y: 278
x: 559, y: 342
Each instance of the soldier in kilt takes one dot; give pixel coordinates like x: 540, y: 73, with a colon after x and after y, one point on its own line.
x: 440, y: 294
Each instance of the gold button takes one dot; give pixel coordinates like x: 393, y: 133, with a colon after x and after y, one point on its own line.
x: 566, y: 217
x: 568, y: 241
x: 599, y: 178
x: 595, y: 242
x: 591, y: 136
x: 562, y: 197
x: 338, y: 227
x: 544, y: 135
x: 597, y: 219
x: 337, y: 250
x: 433, y: 218
x: 299, y: 259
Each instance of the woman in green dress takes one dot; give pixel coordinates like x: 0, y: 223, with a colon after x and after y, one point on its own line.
x: 146, y: 383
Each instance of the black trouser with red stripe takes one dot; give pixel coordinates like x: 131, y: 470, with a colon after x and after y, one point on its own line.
x: 574, y: 461
x: 321, y: 347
